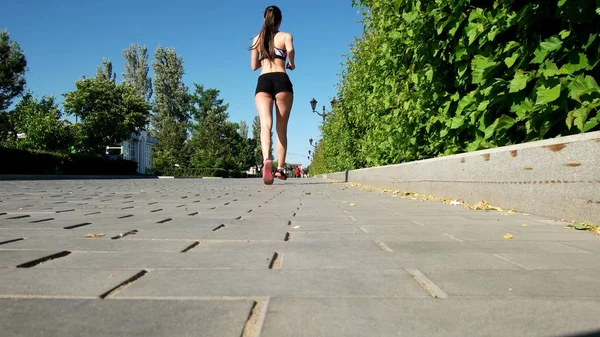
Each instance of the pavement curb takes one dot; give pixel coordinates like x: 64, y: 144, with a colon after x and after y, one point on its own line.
x: 557, y: 178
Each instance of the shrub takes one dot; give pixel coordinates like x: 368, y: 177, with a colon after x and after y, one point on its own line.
x: 17, y: 161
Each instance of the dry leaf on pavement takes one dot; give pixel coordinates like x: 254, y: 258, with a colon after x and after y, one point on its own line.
x: 94, y: 235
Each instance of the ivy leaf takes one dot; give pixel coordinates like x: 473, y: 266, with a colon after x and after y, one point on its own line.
x: 462, y: 69
x: 480, y: 66
x: 550, y: 69
x: 465, y: 102
x: 483, y: 105
x: 583, y: 86
x: 591, y: 40
x: 460, y: 53
x: 410, y: 16
x: 561, y: 3
x: 547, y: 95
x: 576, y: 63
x: 474, y: 146
x: 592, y: 123
x: 519, y: 82
x: 549, y: 45
x: 457, y: 122
x: 473, y: 30
x: 489, y: 131
x: 510, y: 61
x: 564, y: 34
x: 524, y: 109
x: 578, y: 117
x: 511, y: 45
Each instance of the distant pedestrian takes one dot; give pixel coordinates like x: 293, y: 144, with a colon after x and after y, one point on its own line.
x: 269, y: 51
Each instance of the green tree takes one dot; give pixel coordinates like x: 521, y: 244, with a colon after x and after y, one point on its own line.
x: 108, y: 112
x: 136, y: 70
x: 106, y: 71
x: 171, y: 111
x: 258, y: 159
x: 243, y: 129
x: 13, y: 65
x: 211, y: 134
x: 41, y: 123
x: 5, y: 126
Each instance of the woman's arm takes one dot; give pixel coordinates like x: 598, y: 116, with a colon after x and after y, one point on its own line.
x: 289, y: 47
x: 254, y: 62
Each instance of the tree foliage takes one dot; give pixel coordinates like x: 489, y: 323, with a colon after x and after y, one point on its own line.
x: 136, y: 70
x: 108, y: 112
x: 171, y: 111
x: 13, y: 65
x: 430, y: 78
x: 40, y: 121
x: 216, y: 142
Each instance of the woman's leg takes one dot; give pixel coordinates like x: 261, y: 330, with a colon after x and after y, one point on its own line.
x: 264, y: 105
x: 283, y: 105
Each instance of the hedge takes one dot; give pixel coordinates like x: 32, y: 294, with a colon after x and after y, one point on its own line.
x: 16, y: 161
x: 204, y: 172
x: 429, y: 78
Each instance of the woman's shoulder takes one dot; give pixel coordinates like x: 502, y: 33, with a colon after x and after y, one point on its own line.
x: 284, y: 33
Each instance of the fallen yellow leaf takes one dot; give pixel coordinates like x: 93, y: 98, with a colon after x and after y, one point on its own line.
x: 508, y: 236
x: 352, y: 204
x: 94, y: 235
x: 525, y: 225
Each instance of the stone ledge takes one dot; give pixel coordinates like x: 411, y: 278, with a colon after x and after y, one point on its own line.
x: 557, y: 178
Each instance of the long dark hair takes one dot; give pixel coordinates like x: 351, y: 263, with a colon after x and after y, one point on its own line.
x: 265, y: 44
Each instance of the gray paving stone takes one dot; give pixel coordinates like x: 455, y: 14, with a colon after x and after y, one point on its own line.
x: 523, y: 235
x: 517, y: 283
x: 293, y: 283
x: 575, y: 261
x: 323, y: 246
x: 60, y: 282
x: 13, y: 258
x: 329, y: 265
x: 307, y: 236
x: 522, y: 247
x: 57, y: 233
x: 297, y: 227
x: 29, y: 317
x: 156, y: 260
x: 426, y: 317
x: 395, y: 260
x: 100, y: 244
x: 230, y: 232
x: 589, y: 246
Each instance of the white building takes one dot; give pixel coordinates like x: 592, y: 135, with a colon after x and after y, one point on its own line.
x: 138, y: 149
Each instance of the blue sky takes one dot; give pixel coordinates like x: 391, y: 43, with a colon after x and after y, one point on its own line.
x: 67, y: 39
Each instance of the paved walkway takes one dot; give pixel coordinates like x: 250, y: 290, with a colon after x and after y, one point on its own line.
x: 301, y: 258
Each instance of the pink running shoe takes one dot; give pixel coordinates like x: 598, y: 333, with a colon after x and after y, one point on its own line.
x: 280, y: 174
x: 268, y: 172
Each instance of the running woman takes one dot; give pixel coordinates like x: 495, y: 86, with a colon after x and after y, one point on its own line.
x: 269, y: 51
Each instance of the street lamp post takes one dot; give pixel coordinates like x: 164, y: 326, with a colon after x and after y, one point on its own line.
x: 313, y: 105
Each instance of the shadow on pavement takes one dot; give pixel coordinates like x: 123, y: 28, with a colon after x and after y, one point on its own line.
x: 585, y: 334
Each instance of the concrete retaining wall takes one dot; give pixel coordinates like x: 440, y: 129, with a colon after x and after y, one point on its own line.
x: 558, y: 178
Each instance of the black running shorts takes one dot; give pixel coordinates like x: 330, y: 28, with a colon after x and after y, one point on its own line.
x: 274, y: 83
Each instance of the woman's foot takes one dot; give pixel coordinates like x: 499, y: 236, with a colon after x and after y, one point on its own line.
x: 268, y: 172
x: 280, y: 174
